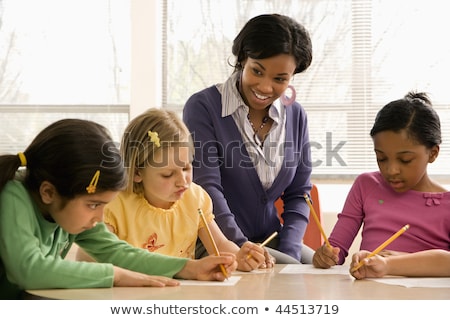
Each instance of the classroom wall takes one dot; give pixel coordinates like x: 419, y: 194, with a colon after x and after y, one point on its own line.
x: 332, y: 198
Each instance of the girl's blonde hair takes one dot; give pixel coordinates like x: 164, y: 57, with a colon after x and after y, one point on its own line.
x: 150, y: 132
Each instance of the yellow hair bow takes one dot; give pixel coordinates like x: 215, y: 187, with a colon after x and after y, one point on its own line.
x: 154, y: 138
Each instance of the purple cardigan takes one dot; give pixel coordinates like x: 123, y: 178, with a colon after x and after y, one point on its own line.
x: 243, y: 209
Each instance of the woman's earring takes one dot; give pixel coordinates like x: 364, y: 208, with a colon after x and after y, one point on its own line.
x: 289, y: 101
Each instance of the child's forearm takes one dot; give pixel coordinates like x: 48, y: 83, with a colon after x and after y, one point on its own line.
x: 430, y: 263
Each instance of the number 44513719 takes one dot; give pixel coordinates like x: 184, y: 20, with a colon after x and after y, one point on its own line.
x: 307, y: 309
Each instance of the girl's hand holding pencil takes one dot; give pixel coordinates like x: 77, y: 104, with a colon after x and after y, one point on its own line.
x: 374, y: 267
x: 326, y: 256
x: 209, y: 268
x: 381, y: 247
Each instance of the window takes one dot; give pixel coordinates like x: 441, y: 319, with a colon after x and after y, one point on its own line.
x: 62, y: 59
x: 366, y: 53
x: 75, y: 58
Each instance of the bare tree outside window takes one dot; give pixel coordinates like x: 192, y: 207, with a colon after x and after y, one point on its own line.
x: 62, y: 59
x: 9, y: 78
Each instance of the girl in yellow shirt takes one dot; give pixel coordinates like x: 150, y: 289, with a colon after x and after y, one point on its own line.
x: 159, y: 210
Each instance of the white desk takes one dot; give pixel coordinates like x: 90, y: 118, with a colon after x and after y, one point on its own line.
x: 270, y: 285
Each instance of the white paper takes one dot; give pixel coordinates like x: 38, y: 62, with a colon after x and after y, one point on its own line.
x: 413, y: 282
x: 310, y: 269
x: 231, y: 281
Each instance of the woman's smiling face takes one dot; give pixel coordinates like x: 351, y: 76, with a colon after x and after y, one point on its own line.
x: 265, y: 80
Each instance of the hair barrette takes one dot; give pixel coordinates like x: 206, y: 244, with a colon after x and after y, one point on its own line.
x: 154, y: 138
x: 93, y: 185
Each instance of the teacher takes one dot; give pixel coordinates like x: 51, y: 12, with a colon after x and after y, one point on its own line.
x: 252, y: 141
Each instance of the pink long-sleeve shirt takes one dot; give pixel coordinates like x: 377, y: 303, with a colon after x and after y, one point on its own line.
x: 381, y: 211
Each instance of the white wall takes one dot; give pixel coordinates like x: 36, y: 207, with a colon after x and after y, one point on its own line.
x: 146, y: 70
x: 332, y: 198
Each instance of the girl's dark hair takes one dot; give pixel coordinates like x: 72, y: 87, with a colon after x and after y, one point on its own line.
x: 415, y: 114
x: 269, y: 35
x: 67, y: 154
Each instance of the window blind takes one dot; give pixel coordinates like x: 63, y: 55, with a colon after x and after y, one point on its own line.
x: 366, y: 53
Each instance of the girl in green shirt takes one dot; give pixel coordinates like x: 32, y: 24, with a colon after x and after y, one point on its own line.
x: 72, y: 169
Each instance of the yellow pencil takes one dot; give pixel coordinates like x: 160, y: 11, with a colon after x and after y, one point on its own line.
x: 382, y: 246
x: 273, y: 235
x: 200, y: 212
x: 316, y: 218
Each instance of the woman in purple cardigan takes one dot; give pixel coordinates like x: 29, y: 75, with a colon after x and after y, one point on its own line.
x: 252, y: 142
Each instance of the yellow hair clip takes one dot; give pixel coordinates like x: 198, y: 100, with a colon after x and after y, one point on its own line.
x: 93, y: 185
x: 23, y: 159
x: 154, y: 138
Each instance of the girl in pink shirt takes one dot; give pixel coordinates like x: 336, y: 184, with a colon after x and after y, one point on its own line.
x: 406, y: 137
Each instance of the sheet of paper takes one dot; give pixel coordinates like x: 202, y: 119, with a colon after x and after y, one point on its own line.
x: 309, y: 269
x: 256, y: 271
x: 411, y: 282
x: 231, y: 281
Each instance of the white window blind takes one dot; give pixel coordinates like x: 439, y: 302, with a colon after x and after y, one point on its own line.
x: 366, y: 53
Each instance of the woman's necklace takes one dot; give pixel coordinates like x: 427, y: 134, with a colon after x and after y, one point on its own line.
x: 264, y: 121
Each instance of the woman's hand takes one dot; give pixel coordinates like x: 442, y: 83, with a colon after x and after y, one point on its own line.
x: 326, y: 257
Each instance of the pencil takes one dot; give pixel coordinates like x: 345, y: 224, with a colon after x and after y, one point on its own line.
x: 382, y: 246
x: 200, y: 212
x: 273, y: 235
x: 316, y: 218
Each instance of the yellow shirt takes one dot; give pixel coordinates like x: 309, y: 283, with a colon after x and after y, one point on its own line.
x: 171, y: 231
